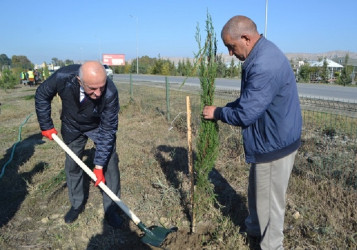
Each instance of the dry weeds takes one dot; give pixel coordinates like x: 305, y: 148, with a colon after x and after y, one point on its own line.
x: 321, y: 211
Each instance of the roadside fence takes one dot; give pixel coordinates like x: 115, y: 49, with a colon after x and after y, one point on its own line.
x: 329, y: 137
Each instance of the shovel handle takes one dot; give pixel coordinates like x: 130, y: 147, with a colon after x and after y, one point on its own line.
x: 104, y: 187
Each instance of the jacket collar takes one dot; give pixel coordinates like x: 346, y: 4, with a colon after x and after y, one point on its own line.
x: 254, y: 50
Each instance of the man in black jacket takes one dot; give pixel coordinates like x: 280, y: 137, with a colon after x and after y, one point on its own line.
x: 90, y: 107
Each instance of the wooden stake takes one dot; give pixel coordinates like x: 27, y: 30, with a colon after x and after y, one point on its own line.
x: 190, y: 162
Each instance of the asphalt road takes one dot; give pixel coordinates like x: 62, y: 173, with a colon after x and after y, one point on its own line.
x: 318, y: 91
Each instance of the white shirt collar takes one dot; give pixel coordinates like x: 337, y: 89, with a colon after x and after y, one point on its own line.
x: 81, y: 93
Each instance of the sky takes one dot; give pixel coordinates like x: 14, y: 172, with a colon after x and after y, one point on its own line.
x: 82, y: 30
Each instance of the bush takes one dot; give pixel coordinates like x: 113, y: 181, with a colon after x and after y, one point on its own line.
x: 8, y: 79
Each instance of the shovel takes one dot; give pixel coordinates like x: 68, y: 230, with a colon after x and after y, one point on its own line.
x: 154, y: 235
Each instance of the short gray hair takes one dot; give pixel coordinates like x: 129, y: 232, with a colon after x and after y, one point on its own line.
x: 238, y: 25
x: 80, y: 73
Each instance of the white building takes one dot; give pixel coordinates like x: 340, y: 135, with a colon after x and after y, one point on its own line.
x: 331, y: 66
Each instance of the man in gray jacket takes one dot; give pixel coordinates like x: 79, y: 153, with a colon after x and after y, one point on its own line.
x: 268, y: 110
x: 90, y: 107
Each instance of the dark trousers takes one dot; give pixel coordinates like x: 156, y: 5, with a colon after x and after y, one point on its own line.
x: 75, y: 178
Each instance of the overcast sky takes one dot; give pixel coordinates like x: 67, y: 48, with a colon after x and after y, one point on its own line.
x: 85, y: 29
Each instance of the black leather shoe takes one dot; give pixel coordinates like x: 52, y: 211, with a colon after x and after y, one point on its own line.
x: 254, y: 242
x: 72, y: 215
x: 114, y: 219
x: 243, y: 229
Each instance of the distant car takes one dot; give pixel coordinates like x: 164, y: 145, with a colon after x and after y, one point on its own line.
x: 109, y: 71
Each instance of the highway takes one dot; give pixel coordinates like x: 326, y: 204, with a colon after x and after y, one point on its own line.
x: 318, y: 91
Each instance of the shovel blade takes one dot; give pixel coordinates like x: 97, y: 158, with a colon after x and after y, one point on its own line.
x: 155, y: 235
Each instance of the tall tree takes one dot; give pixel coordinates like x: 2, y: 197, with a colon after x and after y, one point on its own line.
x: 345, y: 77
x: 8, y: 79
x: 55, y: 61
x: 221, y: 66
x: 180, y: 68
x: 46, y: 72
x: 304, y: 73
x: 188, y: 68
x: 232, y: 69
x: 68, y: 62
x: 21, y: 62
x: 324, y: 72
x: 4, y: 61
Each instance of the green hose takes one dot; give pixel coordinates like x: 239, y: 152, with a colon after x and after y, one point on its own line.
x: 14, y: 147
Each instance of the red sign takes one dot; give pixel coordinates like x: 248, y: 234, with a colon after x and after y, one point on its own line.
x: 114, y: 59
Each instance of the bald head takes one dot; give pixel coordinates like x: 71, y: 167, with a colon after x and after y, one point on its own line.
x: 92, y: 77
x: 91, y: 69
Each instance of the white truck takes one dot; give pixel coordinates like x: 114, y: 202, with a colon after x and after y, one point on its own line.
x: 109, y: 71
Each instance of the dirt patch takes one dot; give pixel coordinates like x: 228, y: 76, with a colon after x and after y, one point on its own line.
x: 185, y: 240
x: 155, y: 186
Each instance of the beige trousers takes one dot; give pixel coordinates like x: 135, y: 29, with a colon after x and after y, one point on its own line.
x: 268, y: 183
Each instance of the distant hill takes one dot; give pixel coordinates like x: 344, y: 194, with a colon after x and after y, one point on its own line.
x: 314, y: 56
x: 337, y: 56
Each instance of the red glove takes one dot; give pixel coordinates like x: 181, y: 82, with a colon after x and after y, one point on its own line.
x: 48, y: 133
x: 99, y: 174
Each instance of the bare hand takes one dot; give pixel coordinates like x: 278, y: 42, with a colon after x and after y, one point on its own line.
x: 208, y: 112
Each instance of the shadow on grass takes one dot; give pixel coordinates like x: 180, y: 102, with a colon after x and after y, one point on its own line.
x: 88, y: 155
x: 13, y: 185
x: 172, y: 161
x: 111, y: 238
x: 231, y: 203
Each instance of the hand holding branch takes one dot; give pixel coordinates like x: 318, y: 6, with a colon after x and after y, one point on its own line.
x: 208, y: 112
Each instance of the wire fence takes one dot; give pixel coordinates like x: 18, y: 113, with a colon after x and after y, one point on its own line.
x: 329, y: 137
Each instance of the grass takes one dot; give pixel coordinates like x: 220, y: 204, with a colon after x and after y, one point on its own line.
x: 321, y: 201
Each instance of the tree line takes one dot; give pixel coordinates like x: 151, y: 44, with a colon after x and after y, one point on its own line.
x: 10, y: 69
x: 184, y: 67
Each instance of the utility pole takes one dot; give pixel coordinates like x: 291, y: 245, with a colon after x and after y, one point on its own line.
x: 266, y: 18
x: 137, y: 46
